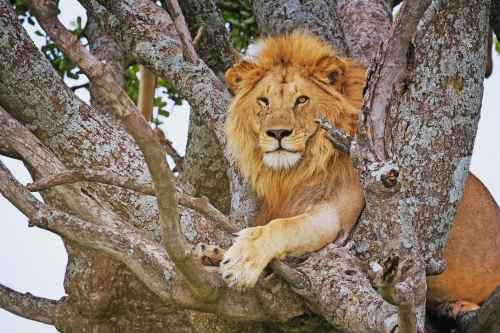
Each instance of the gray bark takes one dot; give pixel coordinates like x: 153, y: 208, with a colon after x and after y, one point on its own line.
x: 104, y: 48
x: 205, y: 168
x: 317, y: 17
x: 365, y: 24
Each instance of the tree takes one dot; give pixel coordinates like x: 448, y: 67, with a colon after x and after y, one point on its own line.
x: 131, y: 265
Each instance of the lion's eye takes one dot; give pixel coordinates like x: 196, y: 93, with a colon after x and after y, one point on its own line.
x: 264, y: 101
x: 302, y: 99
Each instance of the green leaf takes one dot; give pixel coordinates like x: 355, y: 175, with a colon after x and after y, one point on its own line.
x: 39, y: 33
x: 164, y: 113
x: 72, y: 75
x: 30, y: 20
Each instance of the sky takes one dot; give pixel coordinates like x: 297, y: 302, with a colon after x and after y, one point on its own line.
x: 34, y: 260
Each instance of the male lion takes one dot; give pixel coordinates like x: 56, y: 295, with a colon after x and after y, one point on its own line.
x: 307, y: 190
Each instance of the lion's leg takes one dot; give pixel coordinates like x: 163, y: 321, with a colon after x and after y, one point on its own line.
x: 451, y: 307
x: 255, y: 247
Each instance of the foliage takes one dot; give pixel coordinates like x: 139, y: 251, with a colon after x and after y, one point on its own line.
x: 242, y: 25
x: 63, y: 66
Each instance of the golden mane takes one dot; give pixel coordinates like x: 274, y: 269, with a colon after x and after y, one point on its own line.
x: 339, y: 82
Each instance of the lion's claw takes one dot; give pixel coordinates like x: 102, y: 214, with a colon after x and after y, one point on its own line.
x: 209, y: 255
x: 244, y: 262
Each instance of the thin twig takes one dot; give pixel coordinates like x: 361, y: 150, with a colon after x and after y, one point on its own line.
x: 200, y: 205
x: 28, y: 306
x: 170, y: 150
x: 75, y: 88
x: 180, y: 24
x: 198, y: 34
x: 176, y: 245
x: 79, y: 175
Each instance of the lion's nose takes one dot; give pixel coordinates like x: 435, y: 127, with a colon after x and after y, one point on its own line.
x: 279, y: 134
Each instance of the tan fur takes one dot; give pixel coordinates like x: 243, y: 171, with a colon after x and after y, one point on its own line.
x: 303, y: 207
x: 472, y: 251
x: 287, y: 193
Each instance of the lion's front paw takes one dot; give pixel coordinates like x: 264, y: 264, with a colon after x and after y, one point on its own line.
x: 209, y: 255
x: 246, y: 259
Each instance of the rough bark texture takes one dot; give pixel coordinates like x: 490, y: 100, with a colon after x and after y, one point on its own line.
x: 160, y: 54
x: 318, y: 17
x: 445, y: 73
x: 448, y: 102
x: 104, y: 48
x: 365, y: 25
x: 215, y: 46
x: 205, y: 168
x: 205, y: 171
x: 27, y: 305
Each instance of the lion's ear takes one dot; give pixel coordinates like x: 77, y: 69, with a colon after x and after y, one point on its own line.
x: 333, y: 69
x: 240, y: 72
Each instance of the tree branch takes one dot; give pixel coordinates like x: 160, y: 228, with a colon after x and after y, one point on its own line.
x: 484, y: 320
x: 107, y: 177
x: 339, y: 139
x: 28, y: 306
x: 388, y: 72
x: 201, y: 205
x: 318, y: 17
x: 174, y: 242
x: 359, y: 16
x: 180, y: 24
x: 395, y: 291
x: 204, y: 92
x: 170, y: 150
x: 145, y: 257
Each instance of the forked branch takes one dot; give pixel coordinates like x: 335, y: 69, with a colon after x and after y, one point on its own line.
x: 388, y: 73
x: 180, y: 24
x: 177, y: 247
x: 201, y: 205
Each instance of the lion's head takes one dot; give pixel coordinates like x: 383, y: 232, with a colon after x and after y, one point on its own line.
x: 279, y: 92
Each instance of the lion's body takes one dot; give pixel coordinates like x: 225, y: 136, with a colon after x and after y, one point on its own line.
x: 307, y: 190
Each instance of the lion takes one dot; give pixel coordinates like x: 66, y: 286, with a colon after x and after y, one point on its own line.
x: 307, y: 190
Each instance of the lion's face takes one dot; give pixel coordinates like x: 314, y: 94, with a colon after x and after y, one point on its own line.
x: 279, y: 92
x: 284, y: 109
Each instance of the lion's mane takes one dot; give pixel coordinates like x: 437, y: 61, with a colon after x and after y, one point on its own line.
x: 339, y: 82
